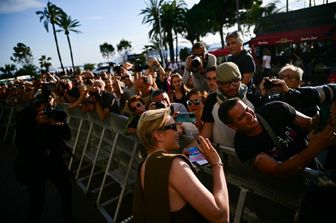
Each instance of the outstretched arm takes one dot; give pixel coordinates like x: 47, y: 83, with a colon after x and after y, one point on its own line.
x: 318, y: 142
x: 213, y: 206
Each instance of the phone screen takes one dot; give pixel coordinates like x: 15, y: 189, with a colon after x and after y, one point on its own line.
x: 195, y: 156
x: 186, y: 117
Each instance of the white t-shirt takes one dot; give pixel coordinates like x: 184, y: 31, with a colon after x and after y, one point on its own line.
x: 267, y: 61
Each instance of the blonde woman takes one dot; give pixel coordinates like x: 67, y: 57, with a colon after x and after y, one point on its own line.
x: 167, y: 188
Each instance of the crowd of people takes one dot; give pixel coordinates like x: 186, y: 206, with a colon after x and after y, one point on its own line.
x: 278, y: 126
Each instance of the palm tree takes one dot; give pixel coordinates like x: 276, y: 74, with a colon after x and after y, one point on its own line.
x: 45, y: 62
x: 170, y: 14
x: 68, y: 25
x: 51, y: 14
x: 179, y: 14
x: 151, y: 16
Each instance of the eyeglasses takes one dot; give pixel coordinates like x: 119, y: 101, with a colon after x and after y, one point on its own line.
x: 138, y: 105
x: 195, y: 102
x: 167, y: 127
x: 226, y: 84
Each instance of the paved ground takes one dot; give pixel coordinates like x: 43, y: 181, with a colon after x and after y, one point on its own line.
x: 14, y: 201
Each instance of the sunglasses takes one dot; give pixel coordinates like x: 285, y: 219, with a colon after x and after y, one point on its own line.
x: 167, y: 127
x: 195, y: 102
x: 138, y: 105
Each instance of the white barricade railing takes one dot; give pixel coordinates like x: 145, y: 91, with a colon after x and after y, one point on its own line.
x: 118, y: 155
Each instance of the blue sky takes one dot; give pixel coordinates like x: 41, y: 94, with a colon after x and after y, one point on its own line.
x: 101, y: 21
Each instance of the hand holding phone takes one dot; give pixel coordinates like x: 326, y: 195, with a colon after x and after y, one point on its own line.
x: 196, y: 157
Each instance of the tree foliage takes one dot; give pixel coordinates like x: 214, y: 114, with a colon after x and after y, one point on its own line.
x: 27, y: 69
x: 8, y: 69
x: 22, y: 54
x: 168, y: 16
x: 44, y: 62
x: 52, y: 14
x: 124, y: 45
x: 68, y: 25
x: 89, y: 66
x: 107, y: 50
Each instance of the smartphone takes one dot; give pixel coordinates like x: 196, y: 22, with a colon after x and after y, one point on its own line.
x: 196, y: 157
x: 186, y: 117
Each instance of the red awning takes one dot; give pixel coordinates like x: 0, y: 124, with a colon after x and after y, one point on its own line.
x: 319, y: 33
x: 220, y: 52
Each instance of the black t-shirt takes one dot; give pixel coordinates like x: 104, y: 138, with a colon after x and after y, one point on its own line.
x: 208, y: 106
x: 280, y: 117
x: 244, y: 61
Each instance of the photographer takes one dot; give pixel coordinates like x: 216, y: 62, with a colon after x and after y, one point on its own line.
x: 96, y: 98
x: 40, y: 131
x: 197, y: 64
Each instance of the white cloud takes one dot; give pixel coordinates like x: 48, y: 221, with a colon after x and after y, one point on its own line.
x: 9, y: 6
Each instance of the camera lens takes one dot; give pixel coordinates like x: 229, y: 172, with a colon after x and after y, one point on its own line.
x: 196, y: 61
x: 268, y: 84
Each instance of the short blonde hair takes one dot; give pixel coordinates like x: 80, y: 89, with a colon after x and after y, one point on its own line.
x: 297, y: 70
x: 149, y: 122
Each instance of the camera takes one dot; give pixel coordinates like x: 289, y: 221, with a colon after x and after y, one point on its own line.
x: 196, y: 61
x: 94, y: 94
x: 268, y: 84
x: 54, y: 114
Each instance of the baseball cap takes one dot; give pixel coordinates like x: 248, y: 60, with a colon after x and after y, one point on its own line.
x: 227, y: 71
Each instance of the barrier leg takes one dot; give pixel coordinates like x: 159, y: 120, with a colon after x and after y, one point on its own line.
x: 84, y: 150
x: 240, y: 205
x: 95, y: 159
x: 107, y: 167
x: 125, y: 182
x: 8, y: 124
x: 75, y: 144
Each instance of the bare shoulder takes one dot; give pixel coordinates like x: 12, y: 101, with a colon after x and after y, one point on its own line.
x: 180, y: 166
x: 179, y: 162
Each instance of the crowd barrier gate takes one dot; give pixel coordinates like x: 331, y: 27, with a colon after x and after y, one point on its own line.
x: 254, y: 197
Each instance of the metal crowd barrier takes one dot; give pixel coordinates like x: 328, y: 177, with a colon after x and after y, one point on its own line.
x: 108, y: 158
x: 7, y: 121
